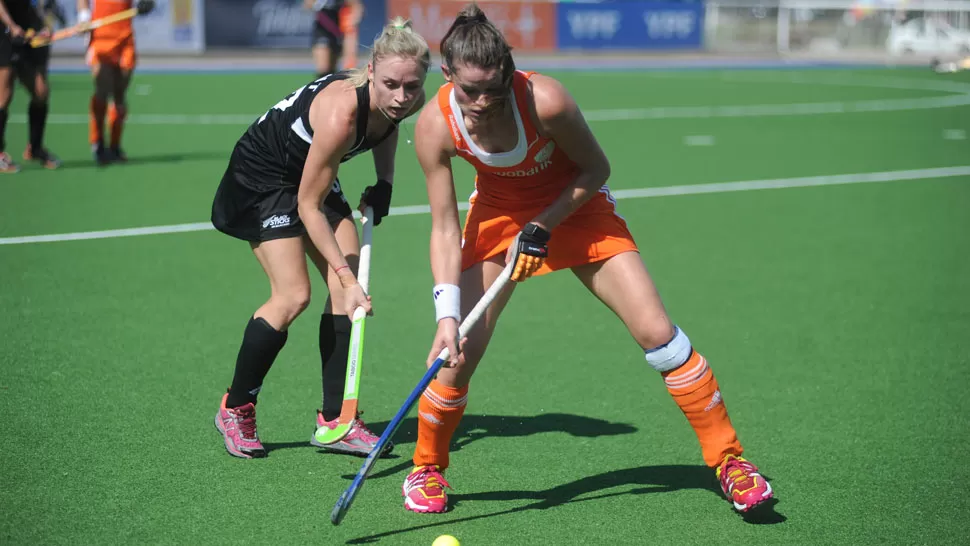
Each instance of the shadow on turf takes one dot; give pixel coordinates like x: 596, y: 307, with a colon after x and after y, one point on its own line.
x: 649, y: 479
x: 475, y: 427
x: 199, y: 155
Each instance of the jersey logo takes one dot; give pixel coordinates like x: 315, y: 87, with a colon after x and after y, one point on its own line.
x: 455, y: 131
x: 545, y: 153
x: 276, y: 221
x: 292, y: 97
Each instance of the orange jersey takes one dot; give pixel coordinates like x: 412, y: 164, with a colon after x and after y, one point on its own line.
x: 115, y: 32
x: 535, y: 172
x: 512, y: 188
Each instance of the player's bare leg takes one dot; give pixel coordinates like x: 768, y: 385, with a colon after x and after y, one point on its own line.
x: 443, y: 403
x: 118, y: 111
x: 284, y: 263
x: 7, y: 164
x: 351, y: 40
x: 335, y: 345
x: 34, y: 78
x: 103, y: 85
x: 324, y: 59
x: 624, y: 285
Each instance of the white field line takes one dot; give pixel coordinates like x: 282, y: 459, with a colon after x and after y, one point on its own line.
x: 719, y: 187
x: 609, y: 114
x: 961, y: 97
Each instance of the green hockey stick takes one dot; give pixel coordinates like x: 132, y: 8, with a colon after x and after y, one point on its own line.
x: 348, y: 411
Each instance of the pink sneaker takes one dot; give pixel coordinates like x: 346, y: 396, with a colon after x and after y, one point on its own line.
x: 359, y: 441
x: 238, y: 428
x: 7, y: 165
x: 424, y: 490
x: 742, y: 484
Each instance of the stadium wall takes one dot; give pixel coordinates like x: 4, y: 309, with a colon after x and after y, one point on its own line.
x: 535, y: 27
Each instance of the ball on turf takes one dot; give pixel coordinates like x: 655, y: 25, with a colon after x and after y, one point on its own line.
x: 446, y: 540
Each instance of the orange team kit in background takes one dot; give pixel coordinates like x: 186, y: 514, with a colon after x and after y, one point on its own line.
x: 115, y: 43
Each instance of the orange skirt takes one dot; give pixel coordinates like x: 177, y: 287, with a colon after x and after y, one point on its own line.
x: 112, y: 52
x: 592, y: 234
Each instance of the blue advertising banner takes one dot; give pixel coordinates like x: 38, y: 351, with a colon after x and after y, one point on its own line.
x: 281, y: 24
x: 630, y: 25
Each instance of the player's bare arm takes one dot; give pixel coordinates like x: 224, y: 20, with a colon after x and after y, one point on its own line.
x: 435, y: 150
x: 332, y: 117
x: 384, y: 154
x: 561, y: 120
x: 378, y: 196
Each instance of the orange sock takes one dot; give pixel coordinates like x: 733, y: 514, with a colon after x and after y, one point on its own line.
x: 96, y: 125
x: 696, y: 392
x: 116, y: 118
x: 439, y: 412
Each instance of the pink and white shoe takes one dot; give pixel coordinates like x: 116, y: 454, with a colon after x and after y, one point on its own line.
x: 238, y: 428
x: 424, y: 490
x: 742, y: 484
x: 359, y: 441
x: 7, y: 165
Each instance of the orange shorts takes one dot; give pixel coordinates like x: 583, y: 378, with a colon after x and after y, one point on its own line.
x: 592, y: 234
x: 119, y: 53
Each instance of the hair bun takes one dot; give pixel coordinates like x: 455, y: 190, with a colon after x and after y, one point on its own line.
x: 401, y: 23
x: 471, y: 14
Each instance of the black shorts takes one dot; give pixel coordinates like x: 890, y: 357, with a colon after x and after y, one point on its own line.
x: 252, y: 211
x: 22, y: 56
x: 327, y: 33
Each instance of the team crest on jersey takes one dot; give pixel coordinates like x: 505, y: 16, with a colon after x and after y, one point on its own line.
x: 276, y: 221
x: 545, y: 153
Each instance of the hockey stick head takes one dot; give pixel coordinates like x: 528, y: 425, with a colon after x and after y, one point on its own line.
x: 145, y: 6
x: 348, y: 413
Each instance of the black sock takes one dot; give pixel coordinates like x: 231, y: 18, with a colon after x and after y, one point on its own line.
x: 3, y: 129
x: 334, y: 346
x: 37, y: 114
x: 261, y: 343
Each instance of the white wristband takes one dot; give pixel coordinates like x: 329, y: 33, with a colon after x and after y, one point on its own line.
x: 83, y: 16
x: 447, y: 302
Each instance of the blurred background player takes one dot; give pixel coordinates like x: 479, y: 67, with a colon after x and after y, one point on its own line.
x: 541, y: 201
x: 21, y: 20
x: 334, y: 27
x: 111, y: 56
x: 281, y: 194
x: 350, y: 16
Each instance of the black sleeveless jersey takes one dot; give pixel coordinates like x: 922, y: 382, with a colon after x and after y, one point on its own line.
x: 24, y: 14
x: 274, y: 149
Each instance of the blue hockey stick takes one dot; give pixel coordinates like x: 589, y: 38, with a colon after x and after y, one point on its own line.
x: 348, y: 496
